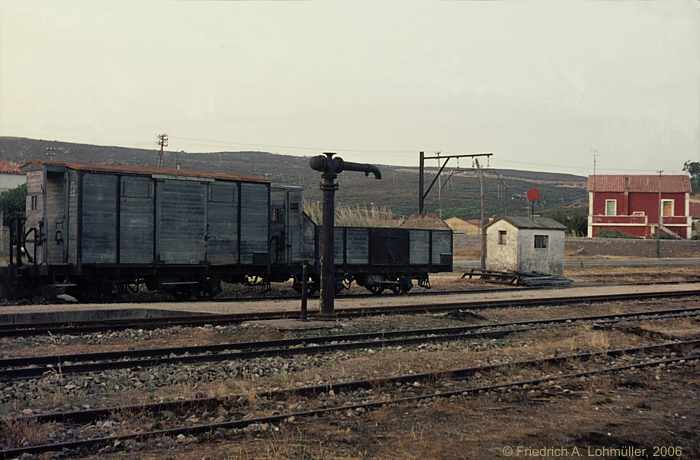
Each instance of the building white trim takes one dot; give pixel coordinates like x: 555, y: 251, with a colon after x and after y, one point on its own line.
x: 610, y: 200
x: 673, y: 207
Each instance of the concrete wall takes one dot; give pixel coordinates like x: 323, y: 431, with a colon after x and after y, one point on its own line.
x: 631, y: 247
x: 543, y: 260
x: 502, y: 257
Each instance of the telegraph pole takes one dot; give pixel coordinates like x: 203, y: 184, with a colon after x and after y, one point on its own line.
x: 661, y: 219
x: 421, y: 167
x: 482, y: 221
x: 163, y: 142
x: 439, y: 187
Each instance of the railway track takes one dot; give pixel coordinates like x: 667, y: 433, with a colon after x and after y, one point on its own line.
x: 82, y: 327
x: 36, y: 366
x: 414, y: 293
x: 645, y: 356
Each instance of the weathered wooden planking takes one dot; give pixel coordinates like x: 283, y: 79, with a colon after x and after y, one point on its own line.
x: 278, y: 225
x: 35, y: 209
x: 99, y: 219
x: 442, y: 244
x: 222, y: 219
x: 181, y: 220
x: 254, y: 222
x: 295, y: 223
x: 309, y: 239
x: 357, y: 246
x: 73, y: 217
x: 419, y: 247
x: 136, y: 220
x: 338, y: 246
x: 55, y: 218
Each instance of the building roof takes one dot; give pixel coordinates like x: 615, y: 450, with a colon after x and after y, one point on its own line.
x: 461, y: 222
x: 536, y: 223
x: 8, y: 167
x: 679, y: 183
x: 147, y: 170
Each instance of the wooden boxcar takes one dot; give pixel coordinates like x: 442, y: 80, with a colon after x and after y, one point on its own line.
x: 113, y: 227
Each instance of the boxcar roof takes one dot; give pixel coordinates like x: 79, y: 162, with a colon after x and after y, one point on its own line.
x: 143, y: 170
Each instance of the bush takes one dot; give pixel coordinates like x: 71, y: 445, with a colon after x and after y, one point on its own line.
x: 615, y: 234
x: 12, y: 203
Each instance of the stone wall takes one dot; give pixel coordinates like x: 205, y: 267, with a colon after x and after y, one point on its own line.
x: 631, y: 247
x: 469, y: 246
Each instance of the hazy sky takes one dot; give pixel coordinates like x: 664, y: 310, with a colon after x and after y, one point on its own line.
x: 541, y: 84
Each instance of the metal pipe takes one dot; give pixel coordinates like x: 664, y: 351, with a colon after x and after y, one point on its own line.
x: 361, y: 167
x: 304, y: 290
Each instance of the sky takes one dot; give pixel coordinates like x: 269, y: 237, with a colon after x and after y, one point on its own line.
x: 540, y: 84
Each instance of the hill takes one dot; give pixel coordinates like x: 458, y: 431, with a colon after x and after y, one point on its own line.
x: 397, y: 190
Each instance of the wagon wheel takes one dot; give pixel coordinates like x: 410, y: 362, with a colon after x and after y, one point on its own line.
x: 396, y: 289
x: 23, y: 247
x: 375, y: 289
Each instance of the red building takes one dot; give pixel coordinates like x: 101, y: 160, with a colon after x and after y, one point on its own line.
x: 631, y: 205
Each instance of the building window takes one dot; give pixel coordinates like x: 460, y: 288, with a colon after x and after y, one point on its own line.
x: 610, y: 207
x: 541, y: 241
x: 34, y: 202
x: 502, y: 237
x: 667, y: 208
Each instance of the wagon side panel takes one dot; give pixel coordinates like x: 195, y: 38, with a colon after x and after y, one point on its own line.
x: 136, y: 220
x: 419, y: 247
x: 254, y: 223
x: 99, y: 219
x: 442, y: 247
x: 222, y: 219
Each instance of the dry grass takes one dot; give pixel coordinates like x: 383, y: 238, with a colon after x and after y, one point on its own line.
x: 16, y: 433
x: 372, y: 216
x: 679, y: 328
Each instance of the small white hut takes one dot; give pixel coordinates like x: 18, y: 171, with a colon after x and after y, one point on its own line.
x: 525, y: 245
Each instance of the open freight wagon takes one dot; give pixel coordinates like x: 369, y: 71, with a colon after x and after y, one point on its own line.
x: 380, y: 258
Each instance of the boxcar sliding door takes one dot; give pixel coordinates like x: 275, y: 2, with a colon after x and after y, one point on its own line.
x: 181, y: 221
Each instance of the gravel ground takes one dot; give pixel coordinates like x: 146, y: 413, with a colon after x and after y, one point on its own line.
x: 635, y: 408
x: 56, y: 392
x: 248, y: 407
x: 128, y: 386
